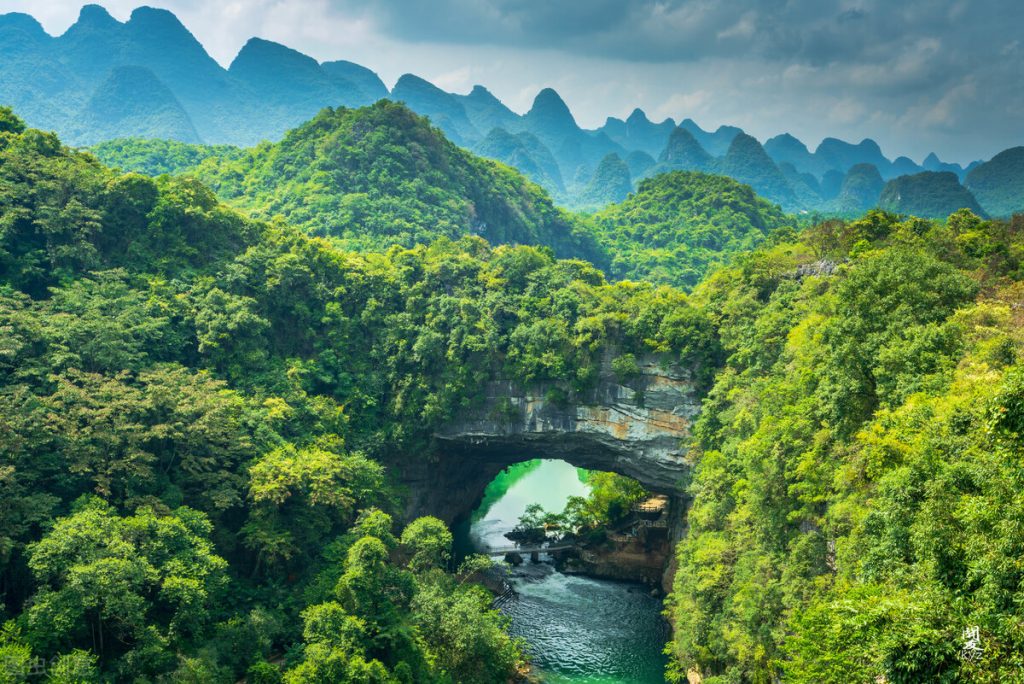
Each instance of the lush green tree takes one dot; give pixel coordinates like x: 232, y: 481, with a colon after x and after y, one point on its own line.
x: 15, y: 654
x: 304, y: 495
x: 465, y: 636
x: 76, y: 667
x: 430, y: 543
x: 108, y: 582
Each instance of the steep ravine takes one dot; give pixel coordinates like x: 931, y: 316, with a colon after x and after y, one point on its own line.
x: 637, y: 426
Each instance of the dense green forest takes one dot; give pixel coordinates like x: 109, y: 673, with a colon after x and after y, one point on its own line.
x: 199, y: 413
x: 202, y: 413
x: 679, y: 225
x: 381, y: 175
x: 857, y: 501
x: 370, y: 178
x: 932, y: 194
x: 158, y: 157
x: 999, y: 183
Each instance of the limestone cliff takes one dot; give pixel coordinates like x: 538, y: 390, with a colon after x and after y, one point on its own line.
x: 636, y: 426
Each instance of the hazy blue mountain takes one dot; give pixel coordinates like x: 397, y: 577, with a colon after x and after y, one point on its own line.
x: 132, y: 102
x: 747, y: 162
x: 931, y: 194
x: 638, y: 132
x: 841, y: 155
x: 51, y: 80
x: 683, y: 153
x: 861, y: 190
x: 42, y: 89
x: 901, y: 166
x: 93, y: 45
x: 78, y: 84
x: 614, y: 128
x: 366, y: 80
x: 999, y: 183
x: 281, y: 75
x: 831, y: 184
x: 806, y: 187
x: 933, y: 163
x: 525, y: 152
x: 717, y: 143
x: 786, y: 148
x: 21, y: 34
x: 487, y: 112
x: 611, y: 183
x: 292, y: 86
x: 578, y: 152
x: 444, y: 109
x: 155, y: 39
x: 793, y: 175
x: 639, y: 163
x: 549, y: 118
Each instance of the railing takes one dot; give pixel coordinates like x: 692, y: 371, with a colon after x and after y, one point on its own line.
x: 547, y: 548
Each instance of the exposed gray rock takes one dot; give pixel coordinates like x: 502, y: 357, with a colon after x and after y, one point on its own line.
x: 637, y: 427
x: 823, y: 267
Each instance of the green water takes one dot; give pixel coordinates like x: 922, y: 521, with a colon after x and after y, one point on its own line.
x: 579, y: 630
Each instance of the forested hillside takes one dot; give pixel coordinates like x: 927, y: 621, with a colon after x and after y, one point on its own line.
x: 196, y: 410
x: 381, y: 175
x: 371, y: 178
x: 681, y: 225
x: 999, y: 183
x: 931, y: 194
x: 856, y: 500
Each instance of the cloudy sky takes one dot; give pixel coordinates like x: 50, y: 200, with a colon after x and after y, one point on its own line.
x: 916, y: 75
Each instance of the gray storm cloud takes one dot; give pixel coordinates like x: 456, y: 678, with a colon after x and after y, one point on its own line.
x: 916, y: 75
x: 804, y: 31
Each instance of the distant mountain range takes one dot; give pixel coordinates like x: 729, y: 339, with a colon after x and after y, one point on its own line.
x: 380, y: 176
x: 149, y: 77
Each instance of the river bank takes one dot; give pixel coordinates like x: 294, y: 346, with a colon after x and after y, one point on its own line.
x: 578, y: 629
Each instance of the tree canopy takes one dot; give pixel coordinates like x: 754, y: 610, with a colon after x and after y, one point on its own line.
x: 200, y: 414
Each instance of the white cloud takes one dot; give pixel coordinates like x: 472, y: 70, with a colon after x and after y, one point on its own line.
x: 455, y: 81
x: 744, y: 28
x: 682, y: 105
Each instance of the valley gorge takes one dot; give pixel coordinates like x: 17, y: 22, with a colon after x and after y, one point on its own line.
x: 311, y: 378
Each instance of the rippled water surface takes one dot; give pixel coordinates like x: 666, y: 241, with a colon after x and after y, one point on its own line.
x: 579, y: 630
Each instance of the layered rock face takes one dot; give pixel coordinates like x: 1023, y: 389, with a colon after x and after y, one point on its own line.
x: 636, y: 427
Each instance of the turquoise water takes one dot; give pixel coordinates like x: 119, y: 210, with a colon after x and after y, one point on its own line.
x: 578, y: 630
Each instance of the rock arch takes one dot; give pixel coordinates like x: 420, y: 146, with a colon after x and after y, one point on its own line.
x: 637, y: 427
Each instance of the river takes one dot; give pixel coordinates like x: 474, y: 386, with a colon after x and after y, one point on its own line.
x: 578, y: 630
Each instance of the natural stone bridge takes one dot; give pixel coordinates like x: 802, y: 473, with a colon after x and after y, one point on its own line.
x: 636, y: 427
